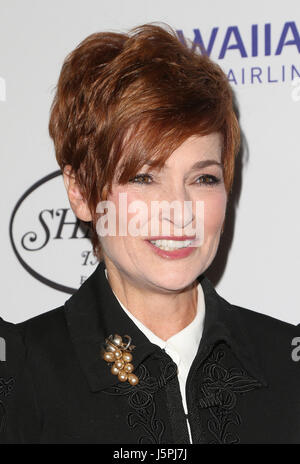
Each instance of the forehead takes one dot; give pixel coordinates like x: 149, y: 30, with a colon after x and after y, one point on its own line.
x: 195, y: 152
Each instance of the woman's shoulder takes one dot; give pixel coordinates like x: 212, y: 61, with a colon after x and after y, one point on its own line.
x: 16, y: 339
x: 248, y: 319
x: 48, y: 329
x: 265, y: 323
x: 268, y: 343
x: 48, y: 318
x: 268, y: 335
x: 11, y: 346
x: 16, y: 390
x: 273, y: 340
x: 23, y: 346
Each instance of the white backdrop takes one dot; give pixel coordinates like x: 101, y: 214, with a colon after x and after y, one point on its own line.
x: 256, y: 42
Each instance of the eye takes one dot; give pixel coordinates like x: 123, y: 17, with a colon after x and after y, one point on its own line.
x: 208, y: 179
x: 141, y: 179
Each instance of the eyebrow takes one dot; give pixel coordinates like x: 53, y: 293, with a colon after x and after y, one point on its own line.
x: 199, y: 164
x: 205, y: 163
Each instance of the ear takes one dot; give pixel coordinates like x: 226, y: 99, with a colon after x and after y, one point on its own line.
x: 77, y: 202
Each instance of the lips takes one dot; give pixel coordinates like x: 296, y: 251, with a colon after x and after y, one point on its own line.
x: 178, y: 253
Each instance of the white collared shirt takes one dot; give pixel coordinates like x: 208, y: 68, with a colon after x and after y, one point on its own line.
x: 181, y: 347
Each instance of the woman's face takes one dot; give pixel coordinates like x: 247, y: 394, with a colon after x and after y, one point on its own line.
x: 146, y: 264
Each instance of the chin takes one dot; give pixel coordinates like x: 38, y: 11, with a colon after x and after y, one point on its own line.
x: 174, y: 280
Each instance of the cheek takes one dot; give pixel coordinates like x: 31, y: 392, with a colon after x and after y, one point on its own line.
x: 132, y: 214
x: 214, y: 212
x: 124, y: 219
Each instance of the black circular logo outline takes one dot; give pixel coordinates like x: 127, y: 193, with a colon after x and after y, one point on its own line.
x: 32, y: 272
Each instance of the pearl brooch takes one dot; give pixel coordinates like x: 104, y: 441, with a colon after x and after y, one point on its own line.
x: 117, y: 354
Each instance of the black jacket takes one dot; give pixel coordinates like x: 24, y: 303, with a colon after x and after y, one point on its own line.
x: 243, y: 386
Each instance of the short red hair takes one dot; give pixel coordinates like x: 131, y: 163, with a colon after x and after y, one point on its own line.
x: 134, y: 98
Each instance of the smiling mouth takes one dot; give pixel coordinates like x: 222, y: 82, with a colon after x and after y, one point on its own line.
x: 171, y: 245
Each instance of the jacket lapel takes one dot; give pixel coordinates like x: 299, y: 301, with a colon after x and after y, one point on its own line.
x: 93, y: 313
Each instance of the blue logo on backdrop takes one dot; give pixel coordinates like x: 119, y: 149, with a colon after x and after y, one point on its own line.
x: 258, y: 41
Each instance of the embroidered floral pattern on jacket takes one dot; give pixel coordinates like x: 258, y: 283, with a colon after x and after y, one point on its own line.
x: 219, y: 392
x: 6, y: 386
x: 141, y: 401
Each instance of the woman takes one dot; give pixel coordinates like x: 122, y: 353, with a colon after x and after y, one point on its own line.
x: 146, y: 351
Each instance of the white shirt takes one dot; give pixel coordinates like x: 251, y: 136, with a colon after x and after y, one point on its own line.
x: 181, y: 347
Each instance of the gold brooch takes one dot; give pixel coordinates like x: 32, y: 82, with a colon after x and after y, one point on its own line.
x: 118, y: 353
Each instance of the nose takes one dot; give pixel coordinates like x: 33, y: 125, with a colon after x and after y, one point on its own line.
x: 178, y: 207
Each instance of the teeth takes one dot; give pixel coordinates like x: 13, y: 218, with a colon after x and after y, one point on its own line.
x: 170, y: 245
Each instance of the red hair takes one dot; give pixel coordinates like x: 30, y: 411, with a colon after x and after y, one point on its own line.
x: 125, y: 99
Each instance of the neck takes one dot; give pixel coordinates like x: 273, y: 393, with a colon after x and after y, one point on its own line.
x: 165, y: 314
